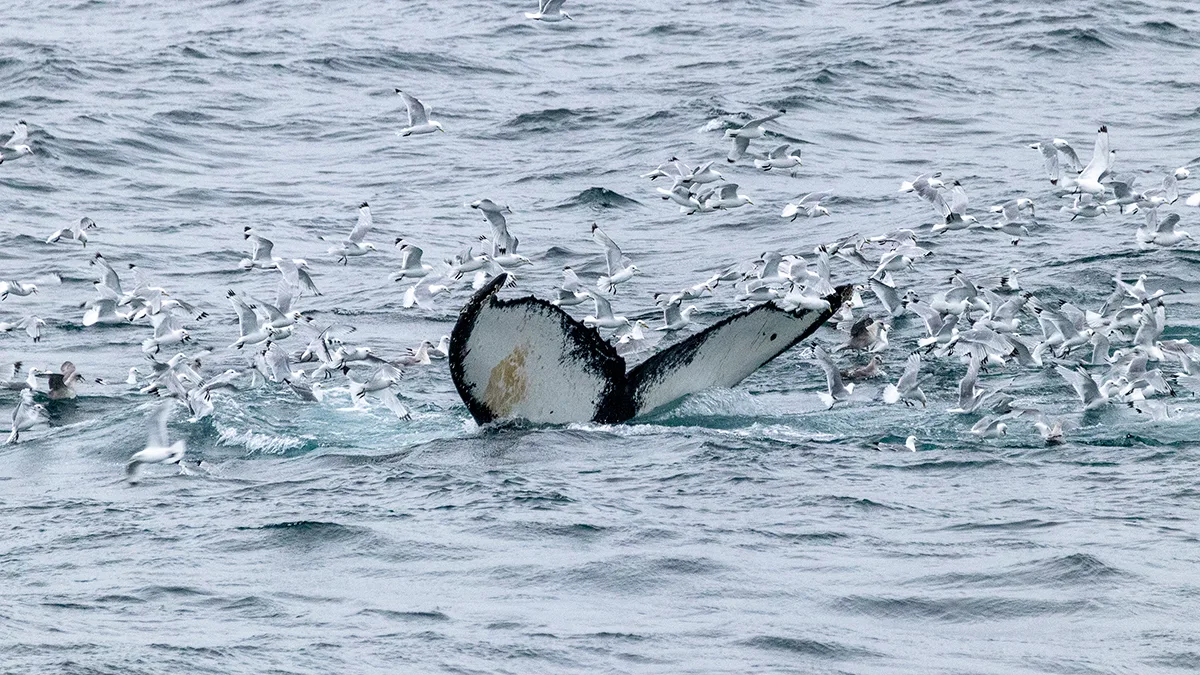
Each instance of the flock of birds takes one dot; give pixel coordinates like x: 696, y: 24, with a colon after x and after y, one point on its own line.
x: 1109, y: 354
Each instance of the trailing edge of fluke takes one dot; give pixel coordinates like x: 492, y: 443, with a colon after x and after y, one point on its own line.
x: 527, y: 360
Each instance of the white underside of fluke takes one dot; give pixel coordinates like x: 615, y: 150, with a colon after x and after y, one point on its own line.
x: 527, y: 360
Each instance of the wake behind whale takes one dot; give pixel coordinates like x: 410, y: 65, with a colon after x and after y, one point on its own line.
x: 528, y: 360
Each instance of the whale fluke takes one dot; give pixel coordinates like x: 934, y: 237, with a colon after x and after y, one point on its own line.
x: 527, y: 360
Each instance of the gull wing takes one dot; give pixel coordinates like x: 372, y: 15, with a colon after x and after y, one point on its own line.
x: 740, y: 145
x: 157, y: 432
x: 912, y: 370
x: 417, y: 114
x: 815, y: 197
x: 1167, y: 225
x: 20, y: 136
x: 1100, y: 158
x: 612, y: 253
x: 363, y: 226
x: 762, y: 120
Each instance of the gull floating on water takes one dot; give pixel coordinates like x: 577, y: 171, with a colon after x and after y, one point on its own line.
x: 418, y: 117
x: 26, y: 415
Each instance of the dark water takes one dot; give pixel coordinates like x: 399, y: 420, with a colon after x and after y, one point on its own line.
x: 745, y: 530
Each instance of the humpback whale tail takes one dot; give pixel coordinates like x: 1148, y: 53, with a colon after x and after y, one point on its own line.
x: 526, y: 359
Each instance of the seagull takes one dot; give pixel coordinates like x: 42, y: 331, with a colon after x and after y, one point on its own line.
x: 603, y: 316
x: 954, y: 213
x: 8, y: 288
x: 1084, y: 205
x: 422, y: 293
x: 809, y: 205
x: 572, y: 292
x: 922, y: 182
x: 295, y: 273
x: 27, y: 414
x: 836, y: 390
x: 675, y: 318
x: 872, y: 369
x: 779, y: 158
x: 167, y: 331
x: 1091, y: 394
x: 990, y: 427
x: 33, y: 327
x: 1160, y: 232
x: 725, y: 197
x: 741, y: 136
x: 1089, y: 180
x: 380, y: 383
x: 157, y: 450
x: 549, y: 11
x: 688, y: 203
x: 620, y: 268
x: 411, y: 266
x: 354, y: 245
x: 251, y: 329
x: 907, y: 389
x: 260, y: 255
x: 418, y: 117
x: 17, y: 145
x: 77, y: 232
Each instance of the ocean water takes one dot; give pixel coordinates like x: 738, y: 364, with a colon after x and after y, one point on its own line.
x: 743, y: 530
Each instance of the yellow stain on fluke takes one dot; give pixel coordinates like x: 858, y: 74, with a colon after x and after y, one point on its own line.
x: 507, y: 383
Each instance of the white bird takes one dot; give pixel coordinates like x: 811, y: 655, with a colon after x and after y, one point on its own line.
x: 411, y: 266
x: 33, y: 327
x: 779, y: 158
x: 354, y: 245
x: 603, y: 316
x: 260, y: 255
x: 26, y: 415
x: 1085, y: 206
x: 157, y: 450
x: 1089, y: 180
x: 17, y: 144
x: 990, y: 427
x: 809, y: 205
x: 251, y: 329
x: 725, y: 197
x: 907, y: 389
x: 675, y: 318
x: 688, y: 203
x: 295, y: 273
x: 380, y: 383
x: 742, y: 136
x: 572, y: 292
x: 418, y: 117
x: 1091, y: 394
x: 954, y: 213
x: 836, y: 390
x: 167, y: 331
x: 620, y: 267
x: 10, y: 287
x: 1162, y: 232
x: 549, y: 11
x: 77, y: 232
x: 423, y: 293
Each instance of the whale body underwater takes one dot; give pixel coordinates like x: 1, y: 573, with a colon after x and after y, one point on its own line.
x: 526, y: 360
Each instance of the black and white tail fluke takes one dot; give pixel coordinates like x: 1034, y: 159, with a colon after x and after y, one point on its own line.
x: 527, y: 360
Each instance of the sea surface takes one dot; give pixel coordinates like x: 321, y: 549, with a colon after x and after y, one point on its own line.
x: 744, y: 530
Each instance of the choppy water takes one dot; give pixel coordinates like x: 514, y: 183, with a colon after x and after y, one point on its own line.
x: 744, y: 530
